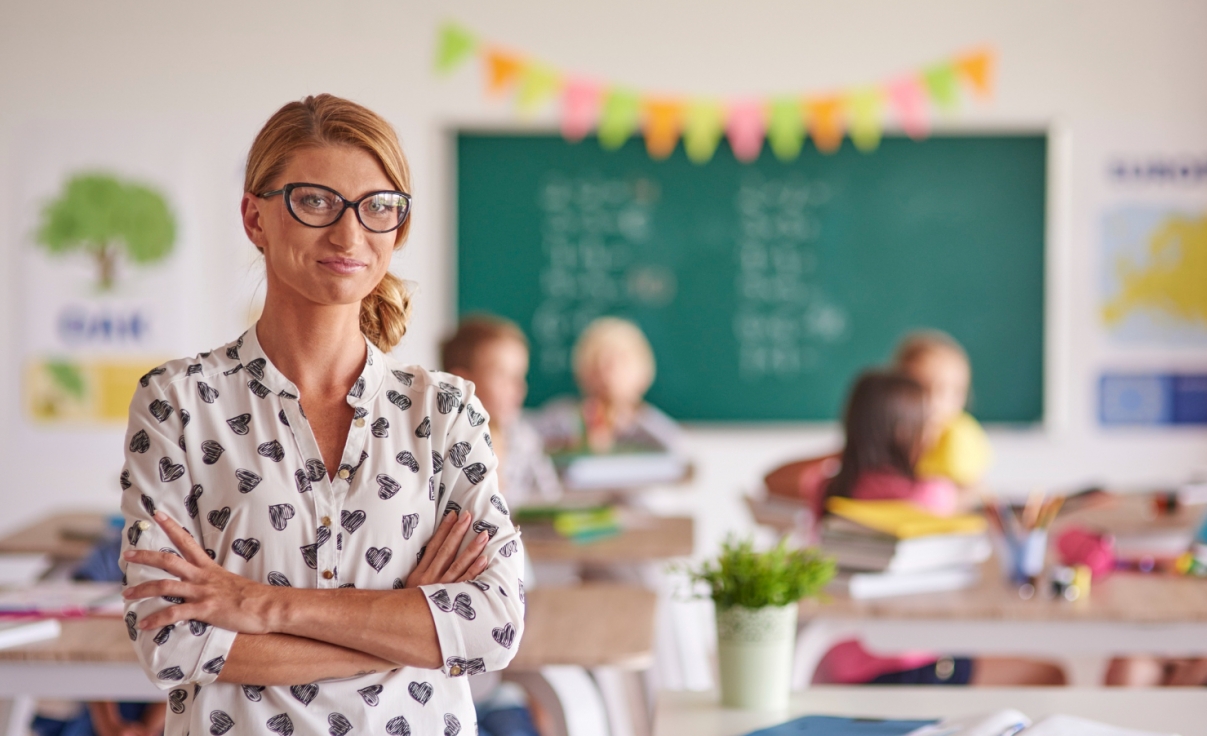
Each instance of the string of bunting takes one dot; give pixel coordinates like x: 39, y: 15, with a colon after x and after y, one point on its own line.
x: 616, y: 112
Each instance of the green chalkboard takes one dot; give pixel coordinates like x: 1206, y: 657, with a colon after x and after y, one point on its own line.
x: 763, y: 287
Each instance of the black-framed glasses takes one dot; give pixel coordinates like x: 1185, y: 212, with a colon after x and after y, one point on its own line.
x: 315, y: 205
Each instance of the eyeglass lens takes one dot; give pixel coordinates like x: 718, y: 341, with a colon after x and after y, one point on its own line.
x: 381, y: 212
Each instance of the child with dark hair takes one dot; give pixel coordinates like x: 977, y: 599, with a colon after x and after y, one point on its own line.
x: 885, y: 424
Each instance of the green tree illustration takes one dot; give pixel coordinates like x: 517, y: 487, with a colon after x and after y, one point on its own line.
x: 104, y: 217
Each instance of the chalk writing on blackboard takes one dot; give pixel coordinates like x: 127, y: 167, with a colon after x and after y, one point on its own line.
x: 782, y: 313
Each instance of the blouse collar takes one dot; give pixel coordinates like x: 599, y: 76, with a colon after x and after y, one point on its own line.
x: 247, y: 351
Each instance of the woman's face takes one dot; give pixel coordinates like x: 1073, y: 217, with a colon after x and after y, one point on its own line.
x: 332, y: 265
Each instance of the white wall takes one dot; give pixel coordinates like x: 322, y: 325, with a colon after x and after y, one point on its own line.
x: 217, y: 69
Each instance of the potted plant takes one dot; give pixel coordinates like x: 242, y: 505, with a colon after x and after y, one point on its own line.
x: 756, y: 596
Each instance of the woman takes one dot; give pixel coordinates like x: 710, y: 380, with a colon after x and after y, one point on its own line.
x: 315, y: 543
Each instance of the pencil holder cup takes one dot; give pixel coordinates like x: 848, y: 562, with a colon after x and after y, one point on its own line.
x: 1022, y: 555
x: 754, y: 654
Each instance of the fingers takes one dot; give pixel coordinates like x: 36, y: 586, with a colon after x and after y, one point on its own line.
x: 447, y: 551
x: 467, y: 558
x: 171, y: 615
x: 182, y: 539
x: 442, y: 531
x: 166, y: 561
x: 475, y: 569
x: 157, y: 588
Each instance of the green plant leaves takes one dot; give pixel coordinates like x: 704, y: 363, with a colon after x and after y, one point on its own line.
x: 740, y: 576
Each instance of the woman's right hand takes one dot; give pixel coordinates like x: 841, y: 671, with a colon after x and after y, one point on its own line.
x: 441, y: 563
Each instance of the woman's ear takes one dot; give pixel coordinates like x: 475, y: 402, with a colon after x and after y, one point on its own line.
x: 253, y: 220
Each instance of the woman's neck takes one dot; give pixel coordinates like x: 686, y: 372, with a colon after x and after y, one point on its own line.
x: 317, y: 347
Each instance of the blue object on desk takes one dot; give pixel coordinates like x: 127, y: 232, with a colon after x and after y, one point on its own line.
x: 837, y: 726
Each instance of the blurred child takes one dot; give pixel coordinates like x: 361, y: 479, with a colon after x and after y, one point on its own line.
x: 614, y: 368
x: 956, y: 446
x: 493, y: 353
x: 885, y: 422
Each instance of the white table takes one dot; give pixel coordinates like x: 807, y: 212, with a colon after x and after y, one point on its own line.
x: 1172, y: 710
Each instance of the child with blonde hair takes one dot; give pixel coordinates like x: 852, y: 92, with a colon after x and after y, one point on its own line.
x: 614, y: 367
x: 956, y: 446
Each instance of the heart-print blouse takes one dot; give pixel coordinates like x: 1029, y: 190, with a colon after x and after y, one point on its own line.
x: 220, y: 442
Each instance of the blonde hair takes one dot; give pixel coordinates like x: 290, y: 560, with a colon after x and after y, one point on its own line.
x: 610, y: 333
x: 460, y: 349
x: 917, y: 344
x: 327, y: 120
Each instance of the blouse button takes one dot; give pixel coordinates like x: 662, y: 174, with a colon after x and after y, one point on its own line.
x: 144, y: 525
x: 327, y: 574
x: 344, y: 473
x: 326, y: 521
x: 359, y: 421
x: 454, y: 671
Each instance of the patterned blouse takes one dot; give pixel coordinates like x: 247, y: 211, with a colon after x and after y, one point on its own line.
x: 221, y: 444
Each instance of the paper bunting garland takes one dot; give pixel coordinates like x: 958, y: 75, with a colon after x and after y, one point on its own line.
x: 615, y: 113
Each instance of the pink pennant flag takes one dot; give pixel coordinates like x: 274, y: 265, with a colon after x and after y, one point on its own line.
x: 580, y: 108
x: 746, y: 128
x: 908, y: 100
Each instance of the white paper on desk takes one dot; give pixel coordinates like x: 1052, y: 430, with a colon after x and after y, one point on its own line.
x: 63, y: 598
x: 1061, y: 725
x: 23, y: 568
x: 1002, y: 723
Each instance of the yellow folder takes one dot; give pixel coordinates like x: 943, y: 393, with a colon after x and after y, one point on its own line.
x: 902, y: 519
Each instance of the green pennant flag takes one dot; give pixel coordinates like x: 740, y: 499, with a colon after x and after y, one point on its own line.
x: 538, y: 83
x: 866, y: 107
x: 453, y: 46
x: 786, y: 127
x: 704, y: 123
x: 943, y: 85
x: 619, y: 117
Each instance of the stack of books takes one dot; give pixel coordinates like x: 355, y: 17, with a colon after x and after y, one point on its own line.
x: 887, y: 548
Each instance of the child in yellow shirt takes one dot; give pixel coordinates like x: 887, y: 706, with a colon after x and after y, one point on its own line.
x: 956, y: 445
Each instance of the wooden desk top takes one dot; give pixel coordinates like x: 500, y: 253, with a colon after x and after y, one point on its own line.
x: 1120, y: 597
x: 68, y: 536
x: 1163, y: 710
x: 643, y: 539
x: 588, y: 625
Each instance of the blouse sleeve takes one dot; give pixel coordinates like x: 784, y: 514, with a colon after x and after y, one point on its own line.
x: 479, y: 623
x: 156, y: 476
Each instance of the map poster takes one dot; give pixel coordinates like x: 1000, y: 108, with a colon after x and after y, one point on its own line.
x: 105, y: 239
x: 1147, y: 211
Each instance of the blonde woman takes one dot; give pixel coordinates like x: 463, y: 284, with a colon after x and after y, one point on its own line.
x: 314, y: 539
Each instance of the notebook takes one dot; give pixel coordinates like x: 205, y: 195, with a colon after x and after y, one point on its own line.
x: 902, y: 519
x: 838, y: 726
x: 1012, y: 722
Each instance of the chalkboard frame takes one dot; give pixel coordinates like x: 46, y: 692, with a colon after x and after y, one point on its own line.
x: 1053, y: 303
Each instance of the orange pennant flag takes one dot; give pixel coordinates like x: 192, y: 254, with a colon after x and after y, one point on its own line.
x: 663, y: 120
x: 502, y: 71
x: 825, y: 118
x: 977, y: 69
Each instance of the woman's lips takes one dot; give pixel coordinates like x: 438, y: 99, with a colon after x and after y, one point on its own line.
x: 343, y: 265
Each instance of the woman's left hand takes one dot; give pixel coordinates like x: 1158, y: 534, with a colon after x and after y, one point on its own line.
x: 211, y: 593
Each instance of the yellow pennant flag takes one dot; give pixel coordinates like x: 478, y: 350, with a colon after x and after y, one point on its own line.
x: 663, y: 119
x: 866, y: 110
x: 977, y: 69
x: 619, y: 117
x: 940, y: 81
x: 502, y: 70
x: 703, y: 126
x: 785, y: 127
x: 538, y: 83
x: 454, y: 45
x: 826, y: 123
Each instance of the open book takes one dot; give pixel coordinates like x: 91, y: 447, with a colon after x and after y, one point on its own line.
x: 1001, y: 723
x: 1012, y: 722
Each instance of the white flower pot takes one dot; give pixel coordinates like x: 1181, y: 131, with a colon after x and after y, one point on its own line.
x: 754, y: 651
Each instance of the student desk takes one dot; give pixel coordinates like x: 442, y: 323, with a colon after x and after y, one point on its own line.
x: 1126, y: 613
x: 1170, y: 710
x: 590, y: 625
x: 643, y: 538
